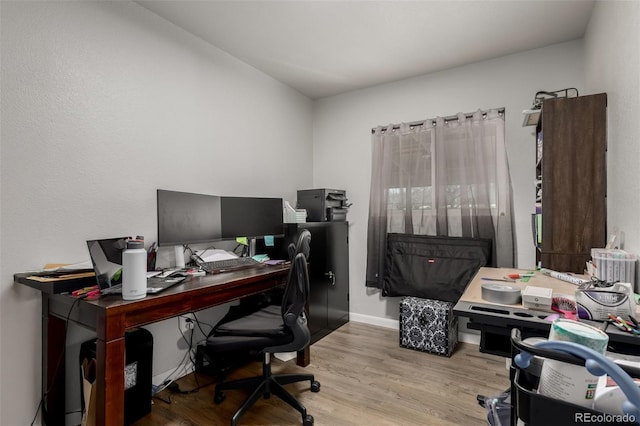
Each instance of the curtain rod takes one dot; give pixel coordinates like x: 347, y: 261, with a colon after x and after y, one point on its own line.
x: 446, y: 120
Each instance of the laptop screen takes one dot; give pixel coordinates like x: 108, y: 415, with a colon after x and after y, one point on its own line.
x: 106, y: 256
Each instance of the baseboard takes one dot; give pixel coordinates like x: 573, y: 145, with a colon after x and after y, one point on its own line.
x: 368, y: 319
x: 471, y: 338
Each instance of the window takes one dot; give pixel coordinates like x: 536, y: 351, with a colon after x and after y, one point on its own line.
x: 443, y: 177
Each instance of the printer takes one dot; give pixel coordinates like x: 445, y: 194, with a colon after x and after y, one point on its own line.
x: 324, y: 205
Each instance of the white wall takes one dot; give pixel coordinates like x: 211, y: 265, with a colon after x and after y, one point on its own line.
x: 342, y: 139
x: 103, y: 103
x: 612, y: 63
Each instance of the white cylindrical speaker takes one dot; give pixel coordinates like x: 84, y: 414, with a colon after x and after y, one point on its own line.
x: 134, y: 271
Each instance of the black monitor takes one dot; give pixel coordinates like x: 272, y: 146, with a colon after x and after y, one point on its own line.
x: 185, y: 218
x: 251, y: 217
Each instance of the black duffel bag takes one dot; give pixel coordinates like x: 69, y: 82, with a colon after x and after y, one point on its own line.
x: 432, y: 267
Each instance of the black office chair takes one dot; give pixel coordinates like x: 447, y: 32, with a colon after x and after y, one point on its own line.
x: 270, y: 330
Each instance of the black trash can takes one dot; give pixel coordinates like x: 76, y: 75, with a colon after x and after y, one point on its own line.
x: 138, y: 372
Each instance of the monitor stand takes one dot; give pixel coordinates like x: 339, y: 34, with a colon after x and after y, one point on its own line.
x: 252, y: 247
x: 179, y: 252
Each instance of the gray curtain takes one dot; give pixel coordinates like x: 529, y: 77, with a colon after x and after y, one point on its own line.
x: 446, y: 177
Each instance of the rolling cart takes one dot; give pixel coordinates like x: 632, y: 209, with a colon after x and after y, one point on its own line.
x: 531, y: 409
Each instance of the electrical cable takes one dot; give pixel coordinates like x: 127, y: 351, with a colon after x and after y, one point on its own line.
x: 41, y: 404
x: 169, y: 379
x: 243, y: 252
x: 169, y: 382
x: 191, y: 354
x: 181, y: 366
x: 189, y: 342
x: 198, y: 386
x: 205, y: 334
x: 208, y: 248
x: 37, y: 411
x: 200, y: 323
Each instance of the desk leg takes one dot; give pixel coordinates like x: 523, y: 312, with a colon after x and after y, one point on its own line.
x: 110, y: 380
x: 53, y: 366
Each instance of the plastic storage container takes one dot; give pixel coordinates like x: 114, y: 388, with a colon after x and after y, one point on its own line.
x: 614, y: 265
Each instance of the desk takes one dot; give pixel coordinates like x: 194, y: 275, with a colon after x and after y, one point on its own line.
x: 495, y: 321
x: 110, y: 317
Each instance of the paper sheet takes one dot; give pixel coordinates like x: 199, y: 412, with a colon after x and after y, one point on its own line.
x: 63, y: 267
x: 65, y: 277
x: 212, y: 255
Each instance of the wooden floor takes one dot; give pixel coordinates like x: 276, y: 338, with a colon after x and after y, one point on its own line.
x: 366, y: 378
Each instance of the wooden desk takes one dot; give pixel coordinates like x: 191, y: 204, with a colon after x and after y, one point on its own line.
x: 110, y: 317
x: 495, y: 321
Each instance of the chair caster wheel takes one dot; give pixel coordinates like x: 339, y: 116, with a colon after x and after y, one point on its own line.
x: 219, y: 397
x: 315, y: 386
x: 308, y: 421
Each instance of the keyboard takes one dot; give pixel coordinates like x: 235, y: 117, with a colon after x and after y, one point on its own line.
x: 229, y: 264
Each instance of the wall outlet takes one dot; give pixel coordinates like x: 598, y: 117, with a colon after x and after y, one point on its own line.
x: 187, y: 322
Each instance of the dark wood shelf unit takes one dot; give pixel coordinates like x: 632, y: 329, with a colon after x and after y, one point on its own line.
x: 573, y: 175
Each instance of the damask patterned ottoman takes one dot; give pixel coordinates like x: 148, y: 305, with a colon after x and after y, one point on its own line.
x: 428, y: 325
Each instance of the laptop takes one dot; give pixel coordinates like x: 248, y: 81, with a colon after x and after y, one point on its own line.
x: 106, y: 256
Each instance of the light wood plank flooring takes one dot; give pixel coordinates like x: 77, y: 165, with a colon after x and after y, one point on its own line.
x: 366, y: 378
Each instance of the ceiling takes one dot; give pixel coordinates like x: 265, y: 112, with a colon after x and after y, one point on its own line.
x: 323, y: 48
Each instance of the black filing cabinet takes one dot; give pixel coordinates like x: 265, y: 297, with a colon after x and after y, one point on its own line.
x: 328, y: 272
x: 328, y: 276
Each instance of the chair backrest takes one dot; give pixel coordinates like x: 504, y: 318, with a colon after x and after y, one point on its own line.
x: 295, y: 298
x: 302, y: 245
x: 293, y: 306
x: 292, y: 292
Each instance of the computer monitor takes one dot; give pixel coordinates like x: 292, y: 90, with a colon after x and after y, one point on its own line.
x: 186, y: 218
x: 251, y: 217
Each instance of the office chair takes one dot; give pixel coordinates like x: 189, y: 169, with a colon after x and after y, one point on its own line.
x: 271, y: 330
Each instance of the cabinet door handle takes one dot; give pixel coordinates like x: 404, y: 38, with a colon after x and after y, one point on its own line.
x: 331, y: 276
